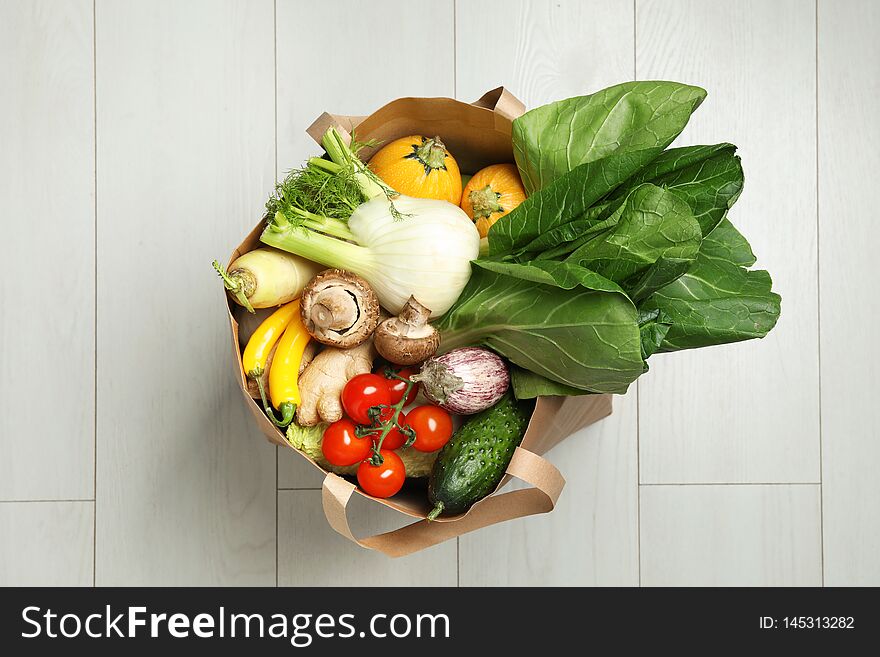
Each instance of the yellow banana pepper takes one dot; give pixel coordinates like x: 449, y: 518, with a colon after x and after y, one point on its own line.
x: 258, y: 348
x: 284, y: 372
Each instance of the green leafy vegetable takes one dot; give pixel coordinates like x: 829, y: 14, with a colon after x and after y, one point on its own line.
x: 717, y: 300
x: 727, y: 244
x: 654, y: 224
x: 644, y: 243
x: 564, y: 209
x: 566, y: 275
x: 528, y: 385
x: 653, y: 327
x: 660, y: 274
x: 708, y: 178
x: 554, y: 139
x: 583, y: 338
x: 564, y: 239
x: 621, y: 250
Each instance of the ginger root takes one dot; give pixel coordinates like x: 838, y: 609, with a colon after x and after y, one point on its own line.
x: 321, y: 384
x: 308, y: 356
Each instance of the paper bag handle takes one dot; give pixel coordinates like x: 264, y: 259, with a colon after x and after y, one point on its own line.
x: 547, y: 484
x: 502, y: 103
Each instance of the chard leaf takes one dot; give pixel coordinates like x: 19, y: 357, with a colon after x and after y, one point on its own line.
x: 564, y: 209
x: 708, y: 178
x: 660, y: 274
x: 528, y: 385
x: 554, y: 139
x: 727, y: 243
x: 566, y: 275
x: 560, y: 240
x: 717, y: 301
x: 583, y: 338
x: 654, y: 225
x: 678, y: 159
x: 653, y: 327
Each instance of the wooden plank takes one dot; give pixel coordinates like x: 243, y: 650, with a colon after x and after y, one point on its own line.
x: 542, y: 50
x: 185, y: 162
x: 591, y: 537
x: 47, y: 205
x: 730, y: 535
x: 849, y: 152
x: 46, y: 543
x: 553, y: 50
x: 745, y: 412
x: 310, y: 553
x: 354, y: 77
x: 333, y: 56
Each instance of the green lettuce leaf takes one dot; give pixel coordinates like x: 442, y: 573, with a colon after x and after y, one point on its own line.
x: 564, y: 209
x: 565, y: 238
x: 566, y: 275
x: 622, y: 249
x: 660, y: 274
x: 528, y: 385
x: 653, y: 327
x: 727, y: 244
x: 718, y: 300
x: 654, y: 225
x: 554, y: 139
x: 708, y: 178
x: 583, y: 338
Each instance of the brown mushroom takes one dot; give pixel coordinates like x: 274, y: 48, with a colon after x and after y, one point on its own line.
x: 339, y: 308
x: 408, y: 338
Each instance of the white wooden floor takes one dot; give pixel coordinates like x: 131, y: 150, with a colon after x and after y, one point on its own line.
x: 139, y: 139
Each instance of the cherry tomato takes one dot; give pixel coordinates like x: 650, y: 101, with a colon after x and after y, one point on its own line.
x: 341, y: 445
x: 397, y: 387
x: 394, y: 439
x: 433, y: 427
x: 362, y: 393
x: 382, y: 480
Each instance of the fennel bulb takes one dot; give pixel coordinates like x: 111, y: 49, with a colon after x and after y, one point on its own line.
x: 425, y: 253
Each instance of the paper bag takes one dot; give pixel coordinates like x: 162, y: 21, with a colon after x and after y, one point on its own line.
x: 478, y: 134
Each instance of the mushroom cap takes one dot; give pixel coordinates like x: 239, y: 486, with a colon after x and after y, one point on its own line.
x: 407, y: 339
x: 339, y: 308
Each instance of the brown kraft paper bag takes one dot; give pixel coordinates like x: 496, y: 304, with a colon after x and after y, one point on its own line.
x: 478, y: 134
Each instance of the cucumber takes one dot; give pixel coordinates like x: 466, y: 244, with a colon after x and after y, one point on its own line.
x: 473, y: 462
